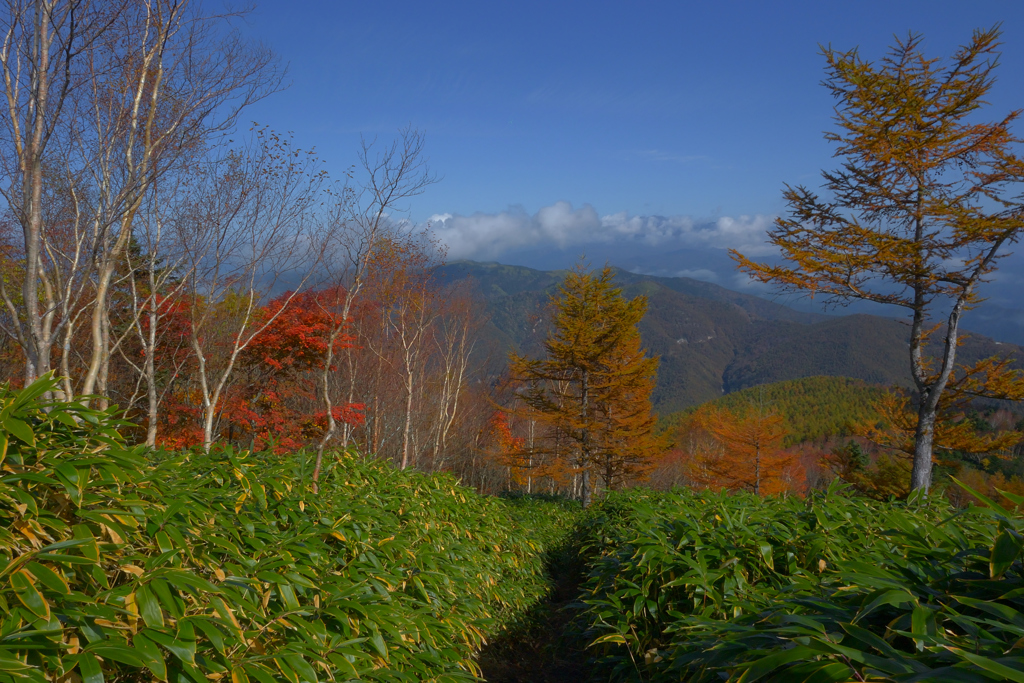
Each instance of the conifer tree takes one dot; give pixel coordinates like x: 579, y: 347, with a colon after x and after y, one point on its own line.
x: 593, y: 387
x: 925, y: 203
x: 752, y: 458
x: 623, y: 444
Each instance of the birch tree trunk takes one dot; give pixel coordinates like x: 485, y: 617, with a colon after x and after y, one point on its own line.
x: 44, y: 43
x: 253, y: 227
x: 392, y: 175
x: 164, y: 89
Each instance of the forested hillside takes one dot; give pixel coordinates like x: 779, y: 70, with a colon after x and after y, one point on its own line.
x: 712, y: 341
x: 813, y: 407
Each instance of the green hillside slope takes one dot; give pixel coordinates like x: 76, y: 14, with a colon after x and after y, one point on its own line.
x: 814, y: 407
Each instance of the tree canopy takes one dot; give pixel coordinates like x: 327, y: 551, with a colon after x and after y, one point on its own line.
x: 923, y: 206
x: 592, y: 389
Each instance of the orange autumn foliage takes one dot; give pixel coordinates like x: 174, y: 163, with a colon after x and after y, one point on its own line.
x: 528, y: 464
x: 271, y: 403
x: 953, y: 432
x: 740, y: 451
x: 591, y: 392
x: 990, y: 485
x: 508, y: 448
x: 922, y: 208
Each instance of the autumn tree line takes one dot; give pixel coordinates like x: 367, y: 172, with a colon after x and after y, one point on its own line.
x: 161, y: 254
x: 207, y: 277
x: 203, y: 274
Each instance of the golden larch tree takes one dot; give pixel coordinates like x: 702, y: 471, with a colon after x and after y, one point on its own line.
x: 593, y: 387
x: 924, y: 204
x: 751, y: 457
x: 623, y: 442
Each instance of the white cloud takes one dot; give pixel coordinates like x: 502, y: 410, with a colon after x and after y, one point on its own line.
x: 487, y: 236
x: 744, y: 283
x: 698, y: 274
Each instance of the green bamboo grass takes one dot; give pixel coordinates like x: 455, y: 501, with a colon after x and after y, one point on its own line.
x: 118, y: 563
x: 709, y: 587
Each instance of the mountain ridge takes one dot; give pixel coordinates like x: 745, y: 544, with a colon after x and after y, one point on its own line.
x: 711, y: 340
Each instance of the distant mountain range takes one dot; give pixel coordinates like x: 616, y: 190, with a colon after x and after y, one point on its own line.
x: 1000, y: 315
x: 711, y: 340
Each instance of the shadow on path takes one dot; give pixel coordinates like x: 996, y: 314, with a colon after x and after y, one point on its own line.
x: 545, y: 648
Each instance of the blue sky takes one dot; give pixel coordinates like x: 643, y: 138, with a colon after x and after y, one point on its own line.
x: 695, y: 108
x: 558, y: 127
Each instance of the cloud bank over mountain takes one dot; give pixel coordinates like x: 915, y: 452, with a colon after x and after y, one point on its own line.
x: 490, y: 236
x: 556, y: 236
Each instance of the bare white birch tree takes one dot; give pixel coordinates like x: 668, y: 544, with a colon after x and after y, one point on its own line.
x: 166, y: 80
x: 44, y: 45
x: 254, y: 230
x: 391, y: 175
x: 101, y: 98
x: 407, y: 311
x: 453, y: 340
x: 157, y: 275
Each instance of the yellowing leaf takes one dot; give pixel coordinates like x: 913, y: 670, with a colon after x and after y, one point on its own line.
x: 114, y: 536
x: 25, y: 589
x: 111, y: 624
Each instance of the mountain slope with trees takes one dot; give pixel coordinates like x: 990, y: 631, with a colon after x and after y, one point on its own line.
x: 711, y: 340
x: 813, y: 407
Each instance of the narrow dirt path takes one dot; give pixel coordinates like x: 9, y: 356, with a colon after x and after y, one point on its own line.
x: 544, y: 649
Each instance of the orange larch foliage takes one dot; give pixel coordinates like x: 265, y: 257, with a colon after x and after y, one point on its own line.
x: 924, y: 204
x: 592, y: 389
x: 742, y: 451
